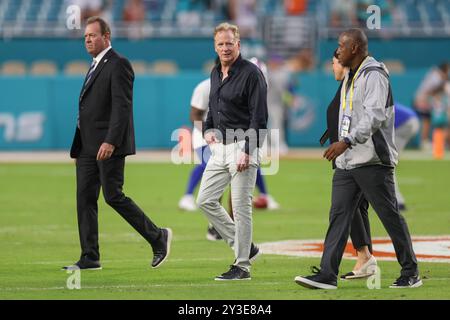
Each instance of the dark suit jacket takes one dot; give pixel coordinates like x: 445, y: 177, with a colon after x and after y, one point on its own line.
x: 333, y: 116
x: 332, y: 120
x: 106, y: 109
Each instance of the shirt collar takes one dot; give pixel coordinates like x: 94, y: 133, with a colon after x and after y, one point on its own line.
x: 100, y: 56
x: 352, y: 72
x: 235, y: 66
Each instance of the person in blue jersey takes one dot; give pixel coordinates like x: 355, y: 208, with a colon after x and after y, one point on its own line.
x: 407, y: 125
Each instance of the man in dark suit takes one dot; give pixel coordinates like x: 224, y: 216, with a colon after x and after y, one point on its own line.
x: 104, y: 137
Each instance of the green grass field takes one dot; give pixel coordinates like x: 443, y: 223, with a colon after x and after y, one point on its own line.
x: 38, y: 235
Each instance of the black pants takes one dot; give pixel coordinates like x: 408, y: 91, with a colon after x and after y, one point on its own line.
x: 360, y: 227
x: 376, y: 184
x: 108, y: 174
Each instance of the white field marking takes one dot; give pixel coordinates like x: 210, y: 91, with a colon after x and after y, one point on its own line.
x: 150, y: 286
x: 436, y: 249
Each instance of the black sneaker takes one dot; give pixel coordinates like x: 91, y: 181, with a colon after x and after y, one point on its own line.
x: 407, y: 282
x: 254, y: 253
x: 316, y: 281
x: 212, y: 234
x: 235, y: 273
x: 84, y: 264
x: 162, y: 251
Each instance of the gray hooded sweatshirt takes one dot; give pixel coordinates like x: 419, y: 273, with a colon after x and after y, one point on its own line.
x: 371, y: 130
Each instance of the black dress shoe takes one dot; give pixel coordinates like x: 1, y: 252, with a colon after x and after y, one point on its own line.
x: 84, y: 265
x: 162, y: 250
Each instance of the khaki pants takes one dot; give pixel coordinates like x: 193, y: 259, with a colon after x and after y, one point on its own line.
x: 221, y: 171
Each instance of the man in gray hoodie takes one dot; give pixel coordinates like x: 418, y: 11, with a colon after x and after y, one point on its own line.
x: 365, y: 157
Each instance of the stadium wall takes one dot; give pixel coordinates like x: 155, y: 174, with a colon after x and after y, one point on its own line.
x: 412, y: 52
x: 39, y: 113
x: 192, y: 53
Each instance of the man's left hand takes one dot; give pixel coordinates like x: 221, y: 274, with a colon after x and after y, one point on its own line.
x: 105, y: 152
x: 243, y: 162
x: 335, y: 150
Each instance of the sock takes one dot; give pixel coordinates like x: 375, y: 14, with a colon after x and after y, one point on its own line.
x: 197, y: 172
x: 260, y: 182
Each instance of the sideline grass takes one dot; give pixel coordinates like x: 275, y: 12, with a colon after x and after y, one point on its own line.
x: 38, y: 235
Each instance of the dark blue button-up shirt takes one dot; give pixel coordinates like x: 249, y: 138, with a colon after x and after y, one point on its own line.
x: 238, y: 102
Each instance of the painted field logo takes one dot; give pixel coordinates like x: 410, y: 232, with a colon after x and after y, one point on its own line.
x: 428, y: 249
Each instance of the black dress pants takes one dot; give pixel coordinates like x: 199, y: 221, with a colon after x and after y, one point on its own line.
x: 109, y: 175
x: 376, y: 184
x: 360, y: 228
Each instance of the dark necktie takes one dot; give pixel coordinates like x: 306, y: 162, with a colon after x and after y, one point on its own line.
x: 86, y: 81
x: 89, y: 74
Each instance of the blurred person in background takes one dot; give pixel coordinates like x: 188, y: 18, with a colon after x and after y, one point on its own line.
x: 281, y: 93
x: 343, y: 13
x: 432, y: 82
x: 134, y: 14
x: 279, y: 78
x: 134, y: 11
x: 439, y: 100
x: 295, y: 7
x: 243, y: 14
x: 407, y: 125
x: 361, y: 12
x: 89, y: 8
x: 447, y: 97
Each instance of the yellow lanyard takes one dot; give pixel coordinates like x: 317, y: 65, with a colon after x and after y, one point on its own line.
x: 351, y: 89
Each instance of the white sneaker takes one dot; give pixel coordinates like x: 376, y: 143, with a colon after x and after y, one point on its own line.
x: 187, y: 202
x: 272, y: 204
x: 367, y: 269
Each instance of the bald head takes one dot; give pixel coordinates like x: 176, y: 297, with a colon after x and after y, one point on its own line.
x: 353, y: 46
x: 357, y: 38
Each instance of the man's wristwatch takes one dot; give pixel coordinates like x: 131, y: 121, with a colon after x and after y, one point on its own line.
x: 348, y: 142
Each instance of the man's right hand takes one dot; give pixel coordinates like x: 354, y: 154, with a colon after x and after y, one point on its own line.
x: 210, y: 137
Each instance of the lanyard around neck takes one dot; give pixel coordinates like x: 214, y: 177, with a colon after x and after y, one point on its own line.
x: 351, y: 89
